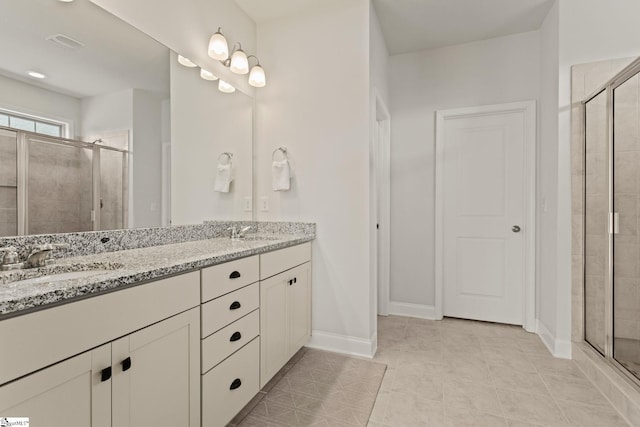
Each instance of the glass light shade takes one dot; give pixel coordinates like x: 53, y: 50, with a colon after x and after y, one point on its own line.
x: 186, y: 62
x: 225, y: 87
x: 239, y: 62
x: 218, y: 48
x: 207, y: 75
x: 257, y: 77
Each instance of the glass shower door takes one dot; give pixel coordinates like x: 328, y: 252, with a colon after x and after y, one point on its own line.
x: 59, y: 187
x: 626, y: 245
x: 596, y: 233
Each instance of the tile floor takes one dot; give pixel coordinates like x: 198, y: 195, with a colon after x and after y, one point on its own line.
x: 464, y: 373
x: 319, y: 389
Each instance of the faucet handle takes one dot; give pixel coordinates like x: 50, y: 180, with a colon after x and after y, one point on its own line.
x: 11, y: 259
x: 8, y: 249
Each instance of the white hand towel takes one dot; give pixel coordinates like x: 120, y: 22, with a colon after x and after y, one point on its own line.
x: 281, y: 175
x: 223, y: 178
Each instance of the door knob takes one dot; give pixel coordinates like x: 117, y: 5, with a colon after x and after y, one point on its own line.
x: 515, y: 228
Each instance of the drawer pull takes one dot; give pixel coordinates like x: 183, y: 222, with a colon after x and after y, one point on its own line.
x: 105, y: 374
x: 235, y: 384
x: 235, y: 337
x: 234, y: 306
x: 290, y: 282
x: 295, y: 280
x: 126, y: 364
x: 234, y: 275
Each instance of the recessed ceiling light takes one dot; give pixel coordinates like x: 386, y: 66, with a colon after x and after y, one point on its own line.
x: 36, y: 75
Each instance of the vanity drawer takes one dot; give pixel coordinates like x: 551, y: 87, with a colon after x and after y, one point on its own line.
x: 224, y: 278
x: 219, y: 346
x: 220, y: 403
x: 228, y: 308
x: 272, y: 263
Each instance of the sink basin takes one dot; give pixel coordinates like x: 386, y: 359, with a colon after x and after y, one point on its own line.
x: 56, y: 277
x: 57, y: 273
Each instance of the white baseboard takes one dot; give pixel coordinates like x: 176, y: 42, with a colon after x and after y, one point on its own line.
x: 412, y: 310
x: 558, y: 348
x: 337, y: 343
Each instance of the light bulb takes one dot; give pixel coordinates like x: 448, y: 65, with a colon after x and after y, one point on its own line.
x: 36, y: 75
x: 218, y: 48
x: 186, y: 62
x: 207, y: 75
x: 225, y: 87
x: 257, y: 77
x: 239, y: 62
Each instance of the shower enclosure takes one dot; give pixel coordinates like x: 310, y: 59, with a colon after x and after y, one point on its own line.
x: 57, y: 185
x: 612, y: 220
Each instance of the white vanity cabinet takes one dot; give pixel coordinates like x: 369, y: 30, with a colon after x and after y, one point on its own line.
x: 285, y: 307
x: 147, y: 377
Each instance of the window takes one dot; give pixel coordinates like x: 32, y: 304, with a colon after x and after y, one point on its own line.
x: 31, y: 124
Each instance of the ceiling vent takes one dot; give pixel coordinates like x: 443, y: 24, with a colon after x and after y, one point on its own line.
x: 65, y: 41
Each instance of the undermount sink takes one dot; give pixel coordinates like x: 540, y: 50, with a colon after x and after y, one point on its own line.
x: 58, y: 273
x: 57, y: 277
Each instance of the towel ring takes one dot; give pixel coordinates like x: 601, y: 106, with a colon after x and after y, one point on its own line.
x: 283, y: 150
x: 228, y: 155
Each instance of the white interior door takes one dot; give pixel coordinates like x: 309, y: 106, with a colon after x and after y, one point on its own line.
x: 483, y: 218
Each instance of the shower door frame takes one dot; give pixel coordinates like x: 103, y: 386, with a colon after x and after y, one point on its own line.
x: 22, y: 173
x: 609, y: 87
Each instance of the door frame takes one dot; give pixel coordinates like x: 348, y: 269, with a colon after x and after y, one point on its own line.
x: 529, y: 192
x: 380, y: 192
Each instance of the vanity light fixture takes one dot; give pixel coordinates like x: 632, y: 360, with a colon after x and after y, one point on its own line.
x: 218, y: 47
x: 225, y: 87
x: 186, y: 62
x: 207, y: 75
x: 237, y: 62
x: 36, y: 75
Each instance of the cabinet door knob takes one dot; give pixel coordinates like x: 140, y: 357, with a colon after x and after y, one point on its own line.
x: 126, y: 364
x: 234, y: 306
x: 235, y: 337
x: 235, y: 384
x: 105, y: 374
x: 234, y: 275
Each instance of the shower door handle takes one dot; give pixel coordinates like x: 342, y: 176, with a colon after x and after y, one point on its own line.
x: 515, y: 228
x: 614, y: 223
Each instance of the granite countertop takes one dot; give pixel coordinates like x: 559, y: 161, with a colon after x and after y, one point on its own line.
x: 124, y: 268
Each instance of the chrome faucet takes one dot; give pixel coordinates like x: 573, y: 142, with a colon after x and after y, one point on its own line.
x: 238, y: 234
x: 243, y: 232
x: 40, y: 253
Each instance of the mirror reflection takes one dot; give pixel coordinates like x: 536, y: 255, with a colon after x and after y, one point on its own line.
x: 86, y: 137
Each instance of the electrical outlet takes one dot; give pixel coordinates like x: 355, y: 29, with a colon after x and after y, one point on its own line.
x: 264, y: 204
x: 248, y: 205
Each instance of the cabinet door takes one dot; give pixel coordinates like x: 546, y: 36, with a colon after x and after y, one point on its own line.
x: 156, y: 374
x: 299, y: 307
x: 67, y: 394
x: 274, y: 351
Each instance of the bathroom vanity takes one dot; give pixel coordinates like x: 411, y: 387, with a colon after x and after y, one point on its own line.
x: 177, y: 334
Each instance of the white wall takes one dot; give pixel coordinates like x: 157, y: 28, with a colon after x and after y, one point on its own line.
x: 317, y: 104
x: 23, y: 97
x: 494, y: 71
x: 147, y: 158
x: 205, y: 123
x: 547, y: 208
x: 108, y: 112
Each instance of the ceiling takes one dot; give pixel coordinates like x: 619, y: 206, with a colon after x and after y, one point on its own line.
x: 115, y: 57
x: 413, y: 25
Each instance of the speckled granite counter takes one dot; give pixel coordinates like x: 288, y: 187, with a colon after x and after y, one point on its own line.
x: 128, y: 267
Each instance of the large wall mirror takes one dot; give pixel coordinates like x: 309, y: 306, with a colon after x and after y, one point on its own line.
x: 109, y: 131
